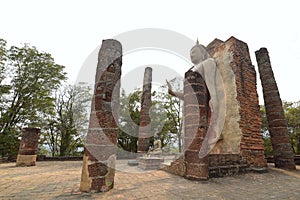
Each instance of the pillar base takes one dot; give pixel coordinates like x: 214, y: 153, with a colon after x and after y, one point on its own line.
x: 26, y: 160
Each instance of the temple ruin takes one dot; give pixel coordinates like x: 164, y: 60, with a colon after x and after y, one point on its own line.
x: 28, y: 147
x: 239, y: 146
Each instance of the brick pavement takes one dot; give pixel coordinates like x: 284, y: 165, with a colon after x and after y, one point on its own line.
x: 60, y: 180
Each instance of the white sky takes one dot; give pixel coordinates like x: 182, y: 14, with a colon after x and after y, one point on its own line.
x: 71, y: 30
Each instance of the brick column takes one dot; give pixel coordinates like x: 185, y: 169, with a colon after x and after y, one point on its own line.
x: 196, y: 112
x: 145, y: 121
x: 282, y: 149
x: 28, y: 147
x: 100, y: 150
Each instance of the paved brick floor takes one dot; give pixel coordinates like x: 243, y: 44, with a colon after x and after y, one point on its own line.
x: 60, y: 180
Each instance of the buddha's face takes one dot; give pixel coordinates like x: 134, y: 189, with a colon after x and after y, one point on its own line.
x: 196, y: 55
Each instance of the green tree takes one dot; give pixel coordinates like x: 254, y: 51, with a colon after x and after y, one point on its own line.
x: 32, y: 76
x: 165, y: 116
x: 3, y: 56
x: 64, y: 132
x: 4, y: 89
x: 173, y: 108
x: 129, y: 120
x: 292, y: 115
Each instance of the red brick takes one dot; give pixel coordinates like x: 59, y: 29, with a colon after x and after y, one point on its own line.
x: 196, y: 171
x: 97, y: 169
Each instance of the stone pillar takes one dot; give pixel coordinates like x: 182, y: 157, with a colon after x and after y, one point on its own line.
x: 98, y: 169
x: 145, y: 121
x: 196, y: 113
x: 282, y: 149
x: 28, y: 147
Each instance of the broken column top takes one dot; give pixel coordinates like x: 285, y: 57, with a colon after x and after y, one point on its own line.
x: 147, y: 76
x: 110, y: 51
x: 111, y: 44
x: 262, y: 49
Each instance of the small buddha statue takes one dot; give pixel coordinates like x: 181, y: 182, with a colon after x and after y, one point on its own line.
x: 156, y: 150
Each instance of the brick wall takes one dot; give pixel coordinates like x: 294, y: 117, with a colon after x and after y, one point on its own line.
x: 238, y: 59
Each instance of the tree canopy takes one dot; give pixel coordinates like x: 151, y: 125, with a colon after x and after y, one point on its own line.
x: 292, y: 115
x: 64, y: 130
x: 28, y: 79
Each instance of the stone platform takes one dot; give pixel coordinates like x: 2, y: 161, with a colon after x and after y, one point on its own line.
x: 150, y: 163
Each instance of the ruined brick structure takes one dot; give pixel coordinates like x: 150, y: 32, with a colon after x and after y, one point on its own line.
x: 145, y: 121
x: 100, y: 150
x: 196, y: 113
x: 28, y: 147
x: 283, y: 153
x: 240, y: 145
x: 241, y: 133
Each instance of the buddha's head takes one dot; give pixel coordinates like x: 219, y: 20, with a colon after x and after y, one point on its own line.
x: 198, y: 53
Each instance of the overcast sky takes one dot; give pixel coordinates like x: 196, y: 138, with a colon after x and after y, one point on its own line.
x: 72, y: 30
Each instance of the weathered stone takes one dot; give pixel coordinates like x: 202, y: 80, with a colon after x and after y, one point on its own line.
x: 176, y: 167
x: 195, y: 171
x: 97, y: 169
x: 98, y: 184
x: 243, y: 120
x: 283, y: 153
x: 28, y: 147
x: 223, y: 159
x: 103, y: 137
x: 145, y: 121
x: 150, y: 163
x: 192, y: 156
x: 133, y: 163
x: 195, y: 126
x: 100, y: 149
